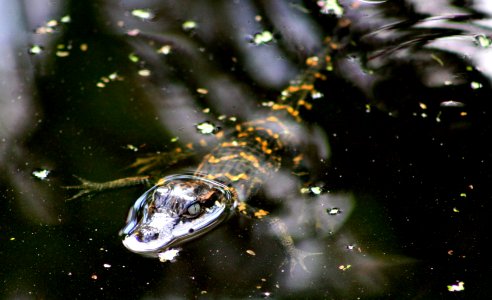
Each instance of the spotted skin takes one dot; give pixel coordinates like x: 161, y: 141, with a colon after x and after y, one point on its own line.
x: 245, y: 159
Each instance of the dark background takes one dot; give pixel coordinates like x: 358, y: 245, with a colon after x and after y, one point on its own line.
x: 416, y: 169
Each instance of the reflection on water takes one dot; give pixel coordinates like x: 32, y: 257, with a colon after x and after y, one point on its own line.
x: 396, y: 203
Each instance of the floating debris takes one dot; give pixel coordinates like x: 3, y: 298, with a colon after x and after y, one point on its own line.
x: 133, y: 57
x: 166, y: 49
x: 315, y: 190
x: 250, y: 252
x: 107, y: 266
x: 131, y: 147
x: 207, y: 128
x: 202, y: 91
x: 144, y: 14
x: 262, y: 38
x: 36, y: 49
x: 144, y: 72
x: 168, y: 255
x: 107, y: 79
x: 452, y: 103
x: 483, y: 41
x: 344, y: 267
x: 459, y: 286
x: 66, y: 19
x: 476, y: 85
x: 41, y: 174
x: 334, y: 211
x: 133, y: 32
x: 330, y: 7
x: 189, y: 25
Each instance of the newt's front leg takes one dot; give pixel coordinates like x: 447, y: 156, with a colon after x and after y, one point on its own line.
x: 87, y: 187
x: 294, y: 255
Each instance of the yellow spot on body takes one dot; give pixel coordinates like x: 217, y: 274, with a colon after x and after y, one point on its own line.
x: 241, y: 207
x: 233, y: 144
x: 307, y: 105
x: 202, y: 143
x: 312, y: 61
x: 289, y: 110
x: 229, y: 176
x: 297, y: 160
x: 261, y: 213
x: 213, y: 160
x: 161, y: 181
x: 236, y: 177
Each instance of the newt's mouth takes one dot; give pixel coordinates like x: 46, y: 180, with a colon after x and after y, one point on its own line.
x: 178, y: 209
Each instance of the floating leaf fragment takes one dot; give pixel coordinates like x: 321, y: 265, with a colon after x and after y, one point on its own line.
x: 262, y: 37
x: 334, y: 211
x: 207, y: 128
x: 66, y: 19
x: 483, y: 41
x: 476, y: 85
x: 344, y: 267
x: 330, y: 7
x: 133, y: 57
x: 144, y: 14
x: 452, y: 103
x: 36, y: 49
x: 144, y: 72
x: 168, y: 255
x: 457, y: 287
x: 166, y: 49
x: 41, y: 174
x: 250, y: 252
x: 189, y: 25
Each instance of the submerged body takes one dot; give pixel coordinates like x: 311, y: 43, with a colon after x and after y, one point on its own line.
x: 180, y: 208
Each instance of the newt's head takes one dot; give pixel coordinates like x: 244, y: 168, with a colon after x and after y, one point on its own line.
x: 178, y: 209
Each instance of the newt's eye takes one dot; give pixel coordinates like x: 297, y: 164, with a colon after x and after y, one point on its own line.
x: 193, y: 210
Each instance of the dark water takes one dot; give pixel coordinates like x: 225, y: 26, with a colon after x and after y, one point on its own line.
x: 405, y: 113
